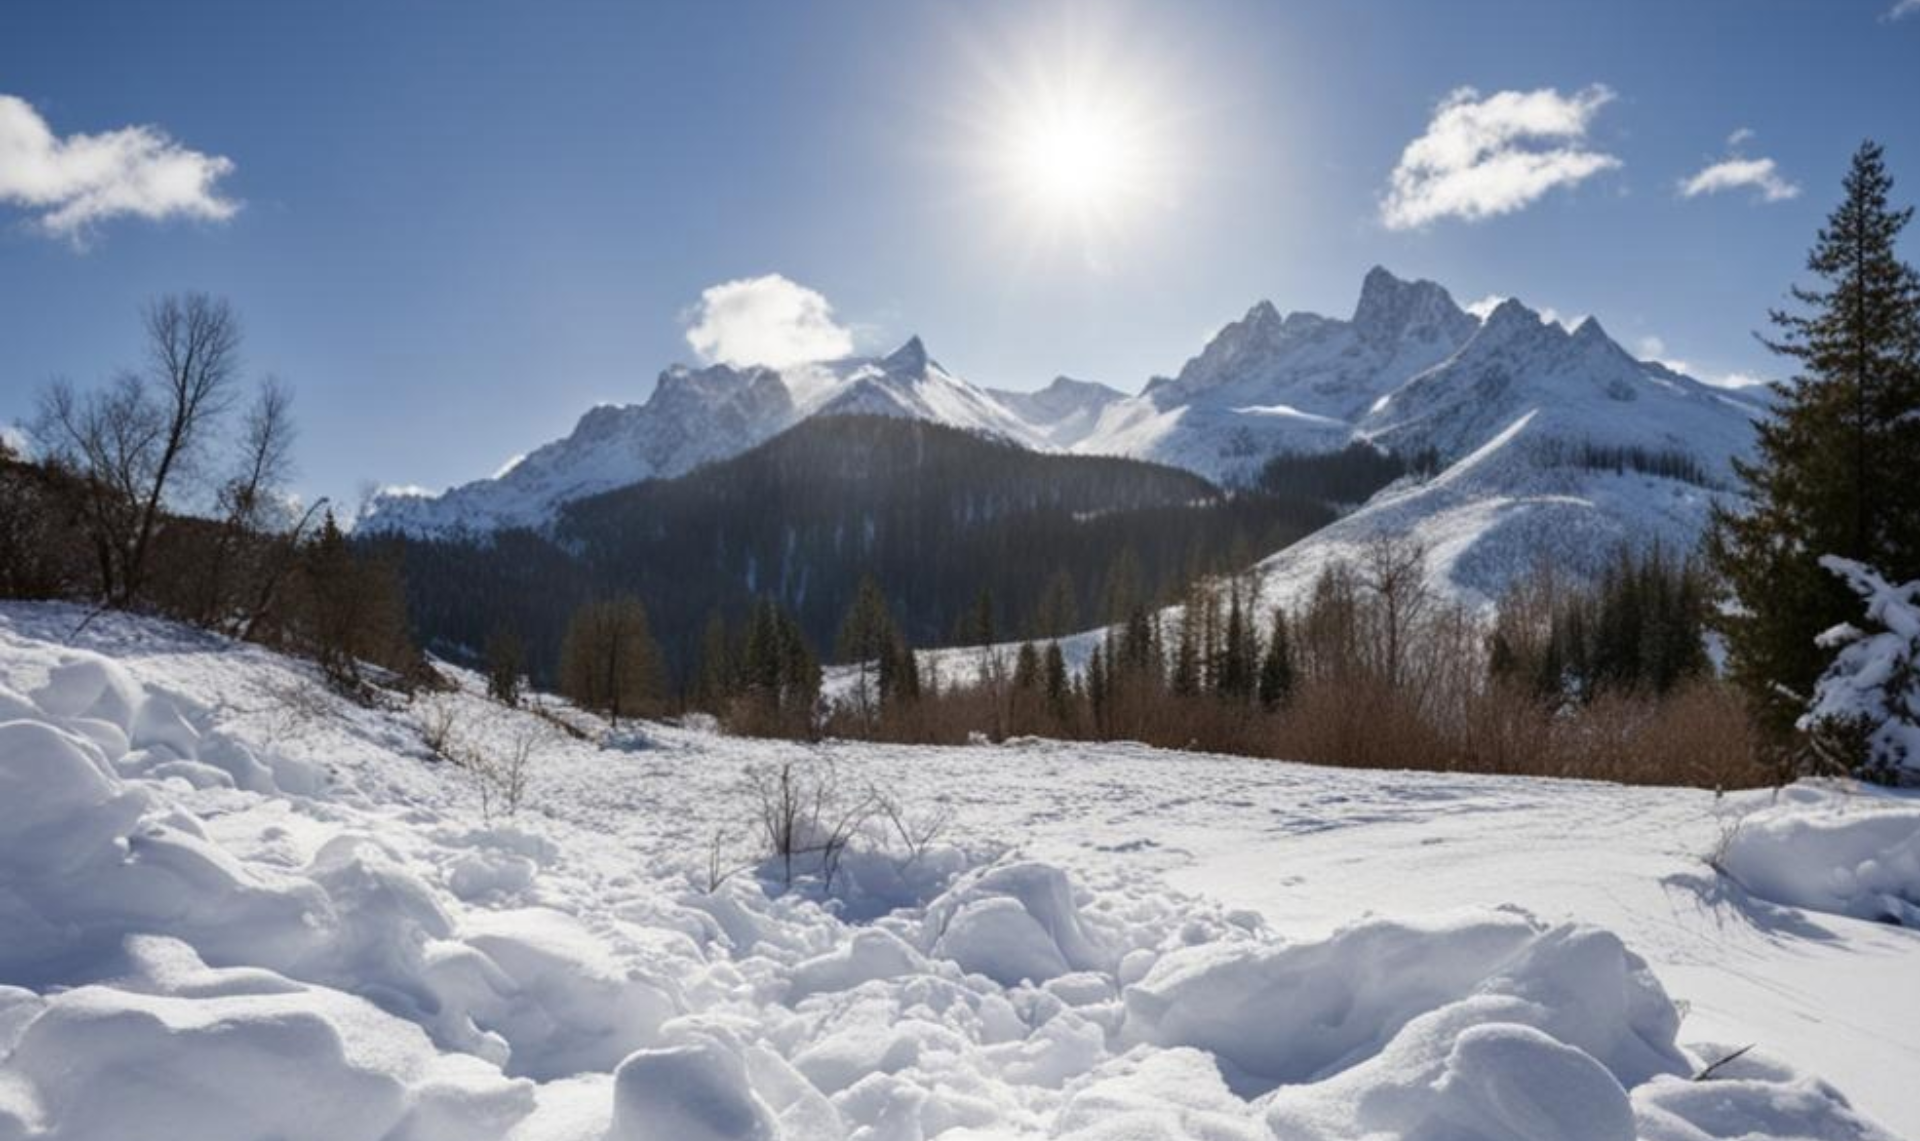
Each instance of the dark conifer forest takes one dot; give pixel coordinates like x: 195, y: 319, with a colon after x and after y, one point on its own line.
x: 938, y: 517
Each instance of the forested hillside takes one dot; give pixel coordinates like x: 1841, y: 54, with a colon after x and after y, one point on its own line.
x: 938, y: 517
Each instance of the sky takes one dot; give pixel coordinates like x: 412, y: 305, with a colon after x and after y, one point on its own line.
x: 453, y: 227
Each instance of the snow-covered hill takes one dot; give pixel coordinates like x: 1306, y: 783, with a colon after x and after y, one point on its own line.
x: 236, y: 907
x: 1557, y: 446
x: 695, y: 416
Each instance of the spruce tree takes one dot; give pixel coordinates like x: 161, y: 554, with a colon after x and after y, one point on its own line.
x: 1837, y: 468
x: 506, y: 665
x: 1276, y: 669
x: 867, y: 638
x: 1059, y: 686
x: 715, y: 682
x: 1026, y: 668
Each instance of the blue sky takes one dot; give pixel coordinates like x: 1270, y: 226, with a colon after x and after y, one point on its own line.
x: 453, y: 226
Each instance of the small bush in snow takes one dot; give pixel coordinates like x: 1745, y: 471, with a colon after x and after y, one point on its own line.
x: 1865, y: 713
x: 804, y: 817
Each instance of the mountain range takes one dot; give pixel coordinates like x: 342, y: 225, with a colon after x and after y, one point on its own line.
x: 1547, y: 439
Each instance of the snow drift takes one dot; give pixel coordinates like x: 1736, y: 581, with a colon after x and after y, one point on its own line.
x: 224, y: 925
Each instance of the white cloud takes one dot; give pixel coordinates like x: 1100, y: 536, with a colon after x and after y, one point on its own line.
x: 1903, y: 8
x: 13, y: 438
x: 765, y: 320
x: 74, y: 183
x: 1482, y: 157
x: 1745, y: 134
x: 1737, y: 173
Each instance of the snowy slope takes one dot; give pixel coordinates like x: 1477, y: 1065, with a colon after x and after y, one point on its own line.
x: 695, y: 416
x: 238, y: 907
x: 1512, y: 415
x: 1064, y: 412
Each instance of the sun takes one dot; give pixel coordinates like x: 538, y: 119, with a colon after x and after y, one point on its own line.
x: 1077, y: 136
x: 1069, y: 157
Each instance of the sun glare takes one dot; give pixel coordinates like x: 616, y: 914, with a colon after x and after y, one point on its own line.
x: 1072, y: 135
x: 1071, y: 157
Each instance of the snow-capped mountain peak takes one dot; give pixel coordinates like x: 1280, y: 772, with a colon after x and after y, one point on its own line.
x: 910, y: 358
x: 1392, y: 310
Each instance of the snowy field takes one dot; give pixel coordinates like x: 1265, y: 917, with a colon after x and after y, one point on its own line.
x: 233, y: 906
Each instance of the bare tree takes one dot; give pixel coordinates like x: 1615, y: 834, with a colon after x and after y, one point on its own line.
x: 1393, y: 569
x: 135, y: 439
x: 251, y: 500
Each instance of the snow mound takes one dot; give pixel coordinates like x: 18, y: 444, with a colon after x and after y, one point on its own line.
x: 179, y: 1049
x: 1827, y: 848
x: 1015, y: 922
x: 694, y: 1092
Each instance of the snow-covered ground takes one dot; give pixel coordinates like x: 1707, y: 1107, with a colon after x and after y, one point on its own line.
x: 233, y: 906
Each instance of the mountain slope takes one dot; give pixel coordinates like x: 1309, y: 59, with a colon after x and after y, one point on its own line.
x: 1557, y: 446
x: 935, y: 514
x: 696, y: 416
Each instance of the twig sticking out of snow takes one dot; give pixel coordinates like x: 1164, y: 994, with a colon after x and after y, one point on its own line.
x: 1707, y: 1074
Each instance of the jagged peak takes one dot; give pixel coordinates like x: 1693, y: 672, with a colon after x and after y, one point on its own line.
x: 910, y: 357
x: 1513, y: 315
x: 1389, y: 304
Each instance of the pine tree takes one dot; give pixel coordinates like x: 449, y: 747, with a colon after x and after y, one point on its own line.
x: 1837, y: 469
x: 867, y: 640
x: 714, y: 683
x: 1059, y: 687
x: 1239, y: 652
x: 1059, y: 611
x: 1276, y: 669
x: 506, y: 665
x: 1185, y: 680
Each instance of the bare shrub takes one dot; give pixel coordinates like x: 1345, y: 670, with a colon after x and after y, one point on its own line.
x: 501, y: 777
x: 916, y: 830
x: 439, y: 718
x: 803, y: 814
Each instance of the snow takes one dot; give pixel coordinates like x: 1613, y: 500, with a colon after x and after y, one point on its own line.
x: 1823, y: 849
x: 1111, y: 941
x: 1874, y: 681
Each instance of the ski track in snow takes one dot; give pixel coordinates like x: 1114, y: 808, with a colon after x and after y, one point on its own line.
x: 1359, y: 953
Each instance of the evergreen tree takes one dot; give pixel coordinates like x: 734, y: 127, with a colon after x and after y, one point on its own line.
x: 1059, y: 687
x: 867, y: 640
x: 1276, y: 669
x: 1837, y: 469
x: 1026, y: 668
x: 1239, y: 652
x: 899, y: 672
x: 506, y: 665
x: 715, y: 681
x: 1059, y: 611
x: 1186, y: 680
